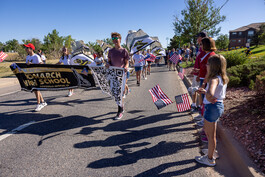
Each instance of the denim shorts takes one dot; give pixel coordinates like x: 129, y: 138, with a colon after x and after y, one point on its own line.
x: 127, y: 75
x: 138, y: 68
x: 213, y: 112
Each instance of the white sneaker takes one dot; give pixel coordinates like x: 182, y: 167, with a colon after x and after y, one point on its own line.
x: 198, y: 118
x: 70, y: 94
x: 205, y: 160
x: 145, y: 78
x: 215, y: 154
x: 124, y: 96
x: 39, y: 107
x: 44, y: 104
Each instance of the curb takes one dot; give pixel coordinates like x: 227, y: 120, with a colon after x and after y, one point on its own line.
x: 236, y: 154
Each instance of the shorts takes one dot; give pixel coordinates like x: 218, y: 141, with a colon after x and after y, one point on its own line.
x: 213, y: 112
x: 186, y: 56
x: 149, y: 62
x: 127, y: 75
x: 138, y: 68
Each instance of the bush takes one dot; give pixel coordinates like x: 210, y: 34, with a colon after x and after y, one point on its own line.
x: 260, y: 83
x: 234, y: 58
x: 241, y: 75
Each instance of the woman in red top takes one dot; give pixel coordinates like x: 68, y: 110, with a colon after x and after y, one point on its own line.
x: 208, y: 46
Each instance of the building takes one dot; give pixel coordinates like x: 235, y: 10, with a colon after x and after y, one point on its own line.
x: 241, y: 37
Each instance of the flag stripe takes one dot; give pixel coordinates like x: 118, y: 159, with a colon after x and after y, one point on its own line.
x: 2, y: 56
x: 165, y: 96
x: 161, y: 94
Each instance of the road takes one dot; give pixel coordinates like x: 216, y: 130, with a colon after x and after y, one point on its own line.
x: 77, y: 136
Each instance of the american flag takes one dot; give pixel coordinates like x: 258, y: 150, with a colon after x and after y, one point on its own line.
x: 174, y: 58
x: 183, y: 103
x: 181, y: 73
x: 160, y: 99
x: 151, y: 58
x: 2, y: 56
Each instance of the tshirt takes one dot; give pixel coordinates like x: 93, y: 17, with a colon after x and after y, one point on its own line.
x: 187, y: 51
x: 99, y: 60
x: 43, y: 58
x: 118, y: 57
x: 203, y: 61
x: 219, y: 93
x: 138, y: 59
x: 34, y: 59
x: 65, y: 60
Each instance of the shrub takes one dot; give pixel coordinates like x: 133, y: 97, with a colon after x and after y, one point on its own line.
x: 241, y: 75
x: 234, y: 58
x: 260, y: 83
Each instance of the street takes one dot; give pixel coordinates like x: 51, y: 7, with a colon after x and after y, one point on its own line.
x: 77, y: 136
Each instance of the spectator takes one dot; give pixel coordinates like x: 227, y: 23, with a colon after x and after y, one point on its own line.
x: 42, y: 56
x: 214, y: 107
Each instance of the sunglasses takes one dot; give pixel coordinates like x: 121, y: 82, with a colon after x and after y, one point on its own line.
x: 115, y: 38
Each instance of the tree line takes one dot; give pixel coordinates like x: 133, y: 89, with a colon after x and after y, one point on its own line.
x: 51, y: 45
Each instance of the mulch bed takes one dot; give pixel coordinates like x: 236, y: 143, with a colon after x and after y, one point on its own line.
x: 245, y: 117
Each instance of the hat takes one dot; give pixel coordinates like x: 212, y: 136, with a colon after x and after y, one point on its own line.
x: 201, y: 34
x: 30, y: 46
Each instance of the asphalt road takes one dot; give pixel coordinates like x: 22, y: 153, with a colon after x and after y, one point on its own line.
x: 77, y: 136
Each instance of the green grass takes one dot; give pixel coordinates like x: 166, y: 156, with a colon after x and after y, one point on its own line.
x: 256, y: 51
x: 184, y: 65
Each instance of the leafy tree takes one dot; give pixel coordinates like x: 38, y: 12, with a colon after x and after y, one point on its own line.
x: 36, y: 42
x: 176, y: 42
x: 259, y: 37
x: 53, y: 43
x: 1, y: 46
x: 108, y: 41
x: 67, y: 42
x: 11, y: 45
x: 199, y: 15
x: 222, y: 41
x: 94, y: 47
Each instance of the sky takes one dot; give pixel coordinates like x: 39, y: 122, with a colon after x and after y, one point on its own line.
x: 89, y: 20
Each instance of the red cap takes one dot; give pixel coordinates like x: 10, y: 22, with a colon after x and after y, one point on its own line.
x: 30, y: 46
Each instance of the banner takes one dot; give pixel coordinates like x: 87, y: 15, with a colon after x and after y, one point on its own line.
x: 156, y: 48
x: 83, y: 60
x: 111, y: 81
x: 137, y: 41
x: 52, y: 77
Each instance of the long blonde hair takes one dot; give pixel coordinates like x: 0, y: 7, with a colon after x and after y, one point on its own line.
x: 217, y: 67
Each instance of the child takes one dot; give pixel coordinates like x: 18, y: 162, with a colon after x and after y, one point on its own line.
x: 99, y: 59
x: 214, y: 107
x: 65, y: 59
x: 138, y: 65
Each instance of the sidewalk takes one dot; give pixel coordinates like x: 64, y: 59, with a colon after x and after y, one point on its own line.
x: 236, y: 154
x: 9, y: 85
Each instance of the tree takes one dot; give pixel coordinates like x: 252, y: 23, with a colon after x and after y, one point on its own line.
x: 108, y: 41
x: 67, y: 42
x: 36, y: 42
x: 53, y: 43
x: 11, y: 45
x: 222, y: 41
x: 176, y: 42
x: 199, y: 15
x: 259, y: 37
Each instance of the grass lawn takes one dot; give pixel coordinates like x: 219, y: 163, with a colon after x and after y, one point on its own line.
x: 256, y: 51
x: 184, y: 65
x: 5, y: 70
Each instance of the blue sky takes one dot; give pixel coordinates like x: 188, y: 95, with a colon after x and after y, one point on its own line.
x: 90, y: 20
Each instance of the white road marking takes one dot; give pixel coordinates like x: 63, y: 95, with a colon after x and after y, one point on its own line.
x: 9, y: 93
x: 2, y: 137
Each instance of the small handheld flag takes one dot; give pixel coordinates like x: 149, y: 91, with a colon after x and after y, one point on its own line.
x: 174, y: 58
x: 160, y: 99
x: 151, y: 58
x: 183, y: 103
x: 181, y: 73
x: 2, y: 56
